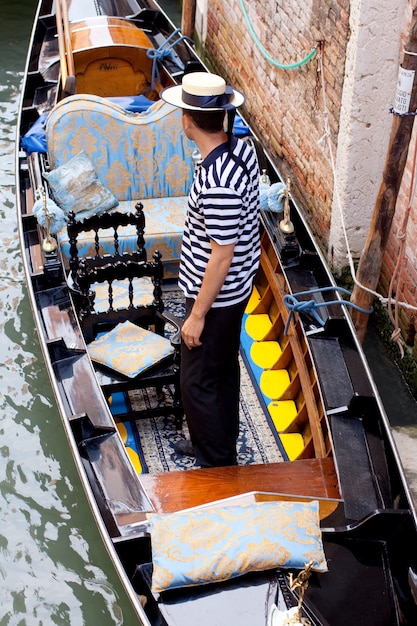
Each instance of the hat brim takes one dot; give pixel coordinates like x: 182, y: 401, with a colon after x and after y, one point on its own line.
x: 173, y: 95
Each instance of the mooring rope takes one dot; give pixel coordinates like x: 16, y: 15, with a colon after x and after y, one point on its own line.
x: 396, y: 275
x: 265, y: 54
x: 164, y: 51
x: 310, y: 306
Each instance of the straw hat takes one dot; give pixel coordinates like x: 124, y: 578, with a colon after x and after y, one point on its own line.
x: 202, y: 91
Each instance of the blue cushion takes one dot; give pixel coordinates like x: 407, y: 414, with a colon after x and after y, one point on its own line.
x: 35, y: 139
x: 165, y: 219
x: 211, y: 545
x: 75, y: 187
x: 129, y: 349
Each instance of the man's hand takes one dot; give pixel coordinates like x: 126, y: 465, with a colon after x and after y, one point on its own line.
x: 214, y: 277
x: 191, y: 331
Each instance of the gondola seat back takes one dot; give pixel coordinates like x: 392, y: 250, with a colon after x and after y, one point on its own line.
x: 143, y: 156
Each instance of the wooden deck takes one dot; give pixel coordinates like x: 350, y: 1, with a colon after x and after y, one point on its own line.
x: 310, y: 478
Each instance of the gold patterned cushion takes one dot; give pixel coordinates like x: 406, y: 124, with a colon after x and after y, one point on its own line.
x: 129, y: 349
x: 211, y: 545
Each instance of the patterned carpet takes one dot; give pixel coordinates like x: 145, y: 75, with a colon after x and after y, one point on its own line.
x: 153, y: 439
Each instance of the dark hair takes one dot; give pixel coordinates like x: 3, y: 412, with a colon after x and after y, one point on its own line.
x: 209, y: 121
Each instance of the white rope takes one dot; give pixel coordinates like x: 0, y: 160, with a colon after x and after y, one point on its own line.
x: 326, y: 137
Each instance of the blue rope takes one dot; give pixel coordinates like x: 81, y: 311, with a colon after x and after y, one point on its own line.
x: 310, y: 306
x: 164, y: 51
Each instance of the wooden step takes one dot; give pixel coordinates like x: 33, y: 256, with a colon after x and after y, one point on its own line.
x: 35, y: 253
x: 104, y: 459
x: 75, y: 375
x: 174, y: 491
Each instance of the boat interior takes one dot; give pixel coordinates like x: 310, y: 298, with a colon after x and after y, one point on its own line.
x: 310, y: 381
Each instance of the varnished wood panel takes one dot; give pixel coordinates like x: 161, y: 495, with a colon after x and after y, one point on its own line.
x: 83, y: 394
x: 105, y: 31
x: 304, y: 373
x: 174, y: 491
x: 36, y: 259
x: 110, y: 57
x: 60, y: 323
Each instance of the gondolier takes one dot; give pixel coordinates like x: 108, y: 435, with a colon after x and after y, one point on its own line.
x: 220, y: 256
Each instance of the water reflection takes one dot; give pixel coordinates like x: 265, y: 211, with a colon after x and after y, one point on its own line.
x: 53, y: 566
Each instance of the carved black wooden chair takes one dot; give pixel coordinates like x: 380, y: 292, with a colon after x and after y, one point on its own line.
x: 126, y: 342
x: 105, y: 234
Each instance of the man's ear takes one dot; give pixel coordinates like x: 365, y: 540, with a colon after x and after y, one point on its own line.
x: 185, y: 117
x: 187, y: 121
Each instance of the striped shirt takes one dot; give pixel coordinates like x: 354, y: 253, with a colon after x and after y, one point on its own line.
x: 223, y: 206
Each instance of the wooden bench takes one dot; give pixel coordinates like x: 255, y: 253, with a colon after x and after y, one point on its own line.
x: 142, y: 157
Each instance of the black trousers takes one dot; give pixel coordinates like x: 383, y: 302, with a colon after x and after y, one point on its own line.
x: 210, y: 386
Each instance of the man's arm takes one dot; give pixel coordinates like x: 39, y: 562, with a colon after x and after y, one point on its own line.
x: 214, y: 277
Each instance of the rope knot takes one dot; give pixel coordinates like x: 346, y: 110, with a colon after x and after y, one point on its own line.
x: 158, y: 53
x: 396, y: 337
x: 311, y: 306
x: 303, y: 306
x: 164, y: 51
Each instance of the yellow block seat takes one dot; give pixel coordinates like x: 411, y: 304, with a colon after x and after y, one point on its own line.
x: 282, y: 412
x: 134, y: 457
x: 258, y: 326
x: 122, y: 431
x: 131, y: 453
x: 273, y: 383
x: 265, y: 354
x: 254, y: 300
x: 293, y: 444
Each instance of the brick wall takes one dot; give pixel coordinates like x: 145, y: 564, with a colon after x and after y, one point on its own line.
x: 285, y: 107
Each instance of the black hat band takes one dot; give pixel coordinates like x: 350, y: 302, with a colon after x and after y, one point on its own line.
x: 221, y: 101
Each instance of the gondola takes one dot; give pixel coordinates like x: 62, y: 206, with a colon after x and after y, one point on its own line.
x: 319, y: 456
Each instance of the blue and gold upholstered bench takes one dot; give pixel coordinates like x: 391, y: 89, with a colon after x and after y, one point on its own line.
x: 102, y: 157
